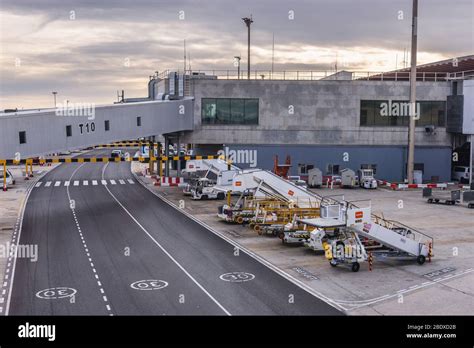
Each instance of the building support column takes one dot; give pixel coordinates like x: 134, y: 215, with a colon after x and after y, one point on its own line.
x: 167, y: 153
x: 178, y: 165
x: 471, y: 154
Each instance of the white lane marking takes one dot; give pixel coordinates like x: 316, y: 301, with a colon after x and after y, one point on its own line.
x: 76, y: 183
x: 18, y: 228
x: 253, y: 255
x: 112, y: 182
x: 85, y: 183
x: 66, y: 183
x: 47, y: 184
x: 94, y: 182
x: 165, y: 251
x: 79, y: 229
x: 38, y: 184
x: 121, y: 182
x: 57, y: 183
x: 103, y: 182
x: 131, y: 181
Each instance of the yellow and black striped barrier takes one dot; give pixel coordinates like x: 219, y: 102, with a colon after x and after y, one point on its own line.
x: 41, y: 161
x: 127, y: 144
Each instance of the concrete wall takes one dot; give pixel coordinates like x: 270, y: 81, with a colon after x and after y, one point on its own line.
x: 325, y: 112
x: 390, y: 160
x: 46, y: 132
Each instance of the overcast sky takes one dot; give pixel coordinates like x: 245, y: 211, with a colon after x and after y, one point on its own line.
x: 87, y: 50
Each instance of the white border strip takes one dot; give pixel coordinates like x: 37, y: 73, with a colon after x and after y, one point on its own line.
x: 22, y: 213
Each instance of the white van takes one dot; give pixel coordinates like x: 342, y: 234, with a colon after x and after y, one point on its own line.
x: 461, y: 174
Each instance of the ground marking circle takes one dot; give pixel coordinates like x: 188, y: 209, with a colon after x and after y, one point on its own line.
x: 237, y: 277
x: 55, y: 293
x: 149, y: 284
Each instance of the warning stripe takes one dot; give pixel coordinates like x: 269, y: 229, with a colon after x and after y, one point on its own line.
x: 398, y: 186
x: 106, y: 159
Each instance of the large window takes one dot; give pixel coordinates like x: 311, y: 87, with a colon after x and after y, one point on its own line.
x: 229, y: 111
x: 384, y: 113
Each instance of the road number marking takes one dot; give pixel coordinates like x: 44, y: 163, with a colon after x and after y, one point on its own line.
x: 237, y: 277
x: 55, y: 293
x: 149, y: 284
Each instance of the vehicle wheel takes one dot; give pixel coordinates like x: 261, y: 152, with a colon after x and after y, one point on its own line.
x: 333, y: 264
x: 355, y: 267
x: 430, y: 200
x: 204, y: 197
x: 437, y: 200
x: 257, y: 228
x: 470, y: 205
x: 221, y: 195
x: 281, y: 235
x: 239, y: 220
x: 420, y: 259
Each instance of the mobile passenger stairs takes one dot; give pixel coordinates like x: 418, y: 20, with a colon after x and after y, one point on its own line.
x: 341, y: 225
x: 298, y: 202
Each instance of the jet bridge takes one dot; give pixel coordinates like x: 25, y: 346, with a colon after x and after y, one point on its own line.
x: 32, y: 133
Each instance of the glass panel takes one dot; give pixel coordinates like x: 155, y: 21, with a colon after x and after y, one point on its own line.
x: 380, y: 120
x: 366, y: 112
x: 237, y: 109
x: 439, y: 113
x: 425, y: 117
x: 223, y: 111
x: 251, y: 111
x: 208, y: 111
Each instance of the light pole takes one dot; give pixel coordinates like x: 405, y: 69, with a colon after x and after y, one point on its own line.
x: 248, y: 22
x: 413, y: 108
x: 54, y: 95
x: 237, y: 60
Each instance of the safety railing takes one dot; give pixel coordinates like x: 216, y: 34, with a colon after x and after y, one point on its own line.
x: 314, y: 75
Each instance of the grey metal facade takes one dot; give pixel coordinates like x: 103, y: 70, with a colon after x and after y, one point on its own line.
x: 46, y: 132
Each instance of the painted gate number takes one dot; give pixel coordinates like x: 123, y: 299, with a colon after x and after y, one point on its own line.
x: 87, y: 127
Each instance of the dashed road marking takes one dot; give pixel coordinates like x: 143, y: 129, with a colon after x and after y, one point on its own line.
x: 84, y: 243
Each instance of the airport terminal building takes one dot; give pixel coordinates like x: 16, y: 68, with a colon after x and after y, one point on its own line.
x: 328, y: 120
x: 343, y: 120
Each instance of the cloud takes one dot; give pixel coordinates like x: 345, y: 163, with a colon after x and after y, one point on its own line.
x: 85, y: 57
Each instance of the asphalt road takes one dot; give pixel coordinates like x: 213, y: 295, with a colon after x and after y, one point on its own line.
x: 117, y: 249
